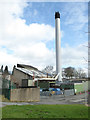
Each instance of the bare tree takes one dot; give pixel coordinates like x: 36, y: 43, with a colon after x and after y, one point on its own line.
x: 71, y: 72
x: 81, y: 73
x: 48, y: 69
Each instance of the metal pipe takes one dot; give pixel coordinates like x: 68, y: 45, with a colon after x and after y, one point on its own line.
x: 58, y: 45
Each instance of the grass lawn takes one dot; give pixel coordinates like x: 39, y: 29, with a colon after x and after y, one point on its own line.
x: 45, y: 111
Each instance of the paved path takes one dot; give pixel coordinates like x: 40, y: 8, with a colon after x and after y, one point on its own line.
x: 58, y: 99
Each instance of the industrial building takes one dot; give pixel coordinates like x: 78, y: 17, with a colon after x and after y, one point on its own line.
x: 26, y: 76
x: 28, y: 80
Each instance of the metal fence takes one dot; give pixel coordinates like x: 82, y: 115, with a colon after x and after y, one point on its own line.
x: 7, y: 85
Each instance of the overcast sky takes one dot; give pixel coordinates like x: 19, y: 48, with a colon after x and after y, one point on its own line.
x: 27, y: 33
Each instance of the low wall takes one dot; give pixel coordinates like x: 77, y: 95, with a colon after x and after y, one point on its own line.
x: 69, y: 92
x: 25, y: 94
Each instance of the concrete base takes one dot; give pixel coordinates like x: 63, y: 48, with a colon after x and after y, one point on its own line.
x: 25, y: 94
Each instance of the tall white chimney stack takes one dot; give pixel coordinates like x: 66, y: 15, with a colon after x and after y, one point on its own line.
x: 58, y: 46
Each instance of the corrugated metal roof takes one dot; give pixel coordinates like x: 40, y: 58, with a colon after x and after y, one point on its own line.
x: 26, y: 66
x: 32, y: 72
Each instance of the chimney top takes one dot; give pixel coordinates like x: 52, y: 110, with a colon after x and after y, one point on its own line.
x: 57, y: 15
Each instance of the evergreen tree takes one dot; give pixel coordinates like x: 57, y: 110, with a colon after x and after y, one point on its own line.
x: 6, y: 69
x: 1, y: 69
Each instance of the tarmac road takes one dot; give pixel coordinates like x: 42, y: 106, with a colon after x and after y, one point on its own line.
x: 56, y: 99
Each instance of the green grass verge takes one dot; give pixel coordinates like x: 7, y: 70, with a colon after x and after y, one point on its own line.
x: 45, y: 111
